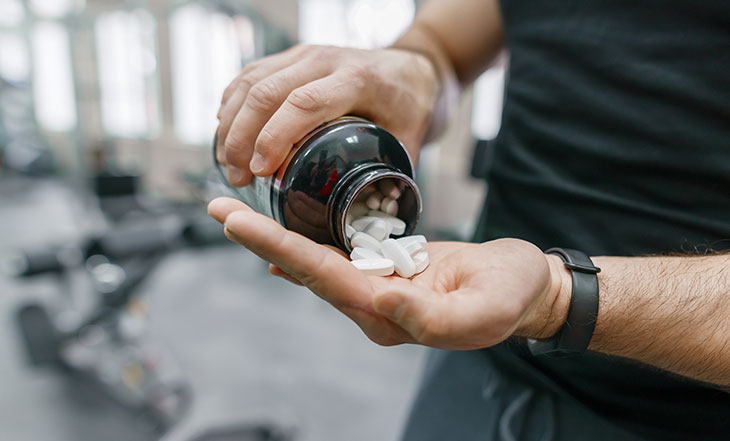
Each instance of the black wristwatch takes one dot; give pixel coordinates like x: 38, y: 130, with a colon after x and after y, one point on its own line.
x: 575, y: 335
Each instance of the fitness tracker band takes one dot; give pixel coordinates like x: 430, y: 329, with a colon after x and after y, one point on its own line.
x: 575, y: 335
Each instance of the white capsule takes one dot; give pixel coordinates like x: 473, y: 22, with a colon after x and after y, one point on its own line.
x: 379, y: 229
x: 374, y: 267
x: 413, y: 247
x: 389, y: 206
x: 349, y: 231
x: 388, y: 188
x: 415, y: 238
x: 399, y: 227
x: 421, y: 261
x: 374, y: 200
x: 358, y: 209
x: 359, y: 253
x: 363, y: 240
x: 362, y: 222
x: 404, y: 265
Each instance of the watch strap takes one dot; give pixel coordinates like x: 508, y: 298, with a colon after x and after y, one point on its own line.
x: 575, y: 335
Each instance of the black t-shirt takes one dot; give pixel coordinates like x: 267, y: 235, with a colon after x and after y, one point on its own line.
x: 616, y: 141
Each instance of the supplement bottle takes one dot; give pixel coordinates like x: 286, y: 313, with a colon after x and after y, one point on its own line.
x: 333, y: 167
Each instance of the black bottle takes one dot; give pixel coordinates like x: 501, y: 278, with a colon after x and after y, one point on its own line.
x: 334, y: 166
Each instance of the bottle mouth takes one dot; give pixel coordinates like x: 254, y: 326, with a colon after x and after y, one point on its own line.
x: 362, y: 182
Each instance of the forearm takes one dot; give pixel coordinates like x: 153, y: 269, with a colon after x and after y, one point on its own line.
x: 670, y: 312
x: 461, y: 37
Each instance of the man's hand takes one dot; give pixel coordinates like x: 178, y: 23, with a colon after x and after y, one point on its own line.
x: 471, y: 295
x: 277, y: 100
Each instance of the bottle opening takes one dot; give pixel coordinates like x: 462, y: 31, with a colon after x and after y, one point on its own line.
x: 380, y: 189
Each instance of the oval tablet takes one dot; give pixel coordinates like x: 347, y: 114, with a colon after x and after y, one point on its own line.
x: 374, y: 267
x: 389, y: 206
x: 413, y: 247
x: 404, y: 265
x: 363, y: 240
x: 399, y: 226
x: 416, y: 238
x: 374, y: 200
x: 349, y: 231
x: 359, y: 253
x: 379, y: 229
x: 362, y: 222
x: 421, y: 261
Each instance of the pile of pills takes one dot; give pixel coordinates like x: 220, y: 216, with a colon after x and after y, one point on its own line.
x: 370, y: 222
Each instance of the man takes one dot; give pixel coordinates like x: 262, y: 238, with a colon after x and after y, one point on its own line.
x: 615, y: 142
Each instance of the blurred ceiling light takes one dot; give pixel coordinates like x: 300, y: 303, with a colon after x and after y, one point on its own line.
x: 14, y: 62
x: 53, y: 86
x: 207, y: 52
x: 11, y: 12
x: 54, y: 8
x: 359, y: 23
x: 125, y: 49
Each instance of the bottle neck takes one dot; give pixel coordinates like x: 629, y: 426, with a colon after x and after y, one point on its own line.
x: 358, y: 181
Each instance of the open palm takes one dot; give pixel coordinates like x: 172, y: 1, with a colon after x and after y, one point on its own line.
x: 471, y: 295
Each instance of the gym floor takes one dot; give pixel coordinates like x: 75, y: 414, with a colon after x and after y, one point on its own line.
x: 254, y: 348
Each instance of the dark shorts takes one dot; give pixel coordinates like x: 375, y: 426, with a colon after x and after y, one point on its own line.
x: 470, y: 396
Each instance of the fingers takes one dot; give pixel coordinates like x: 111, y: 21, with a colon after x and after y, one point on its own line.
x: 278, y: 272
x: 220, y: 208
x: 260, y: 103
x: 324, y: 271
x: 303, y: 110
x: 234, y: 98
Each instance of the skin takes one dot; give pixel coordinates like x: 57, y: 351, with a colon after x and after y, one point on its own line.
x: 669, y: 312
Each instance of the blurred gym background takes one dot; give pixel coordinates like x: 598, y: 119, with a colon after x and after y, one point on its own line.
x: 124, y: 312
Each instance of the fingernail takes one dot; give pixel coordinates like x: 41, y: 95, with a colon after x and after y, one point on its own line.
x: 257, y: 163
x: 234, y: 174
x: 392, y: 307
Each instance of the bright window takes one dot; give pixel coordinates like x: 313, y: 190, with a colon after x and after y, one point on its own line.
x: 125, y: 49
x: 55, y: 102
x: 14, y: 62
x: 208, y: 49
x: 359, y: 23
x: 54, y: 8
x: 11, y: 12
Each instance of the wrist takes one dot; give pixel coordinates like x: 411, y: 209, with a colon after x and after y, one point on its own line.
x: 549, y: 316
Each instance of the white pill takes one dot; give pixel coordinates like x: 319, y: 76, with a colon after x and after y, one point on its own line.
x: 413, y: 247
x: 349, y: 231
x: 389, y: 206
x: 388, y: 188
x: 374, y: 267
x: 415, y: 238
x: 379, y: 229
x: 359, y: 253
x: 421, y: 261
x: 404, y: 265
x: 399, y: 227
x: 358, y: 209
x: 363, y: 240
x: 362, y: 222
x: 374, y: 201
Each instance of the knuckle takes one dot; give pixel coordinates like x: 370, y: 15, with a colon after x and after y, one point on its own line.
x: 262, y: 96
x: 362, y: 75
x: 307, y: 99
x: 265, y: 142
